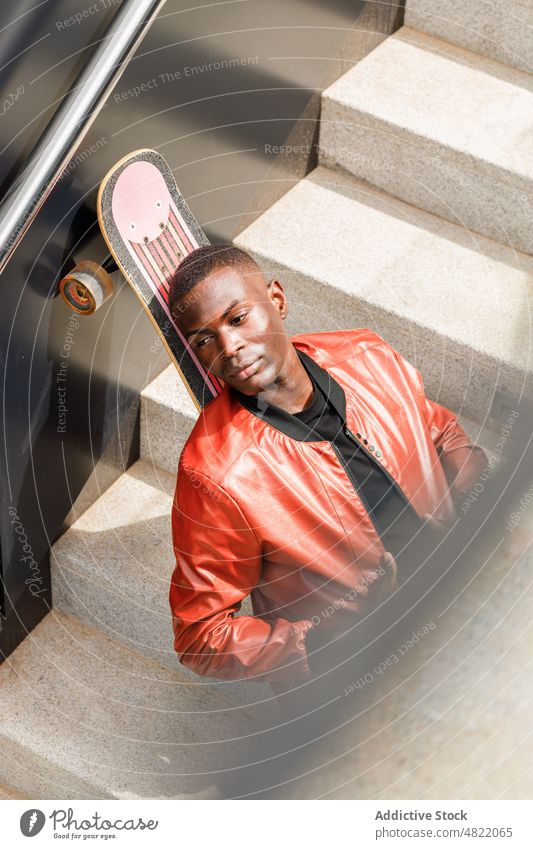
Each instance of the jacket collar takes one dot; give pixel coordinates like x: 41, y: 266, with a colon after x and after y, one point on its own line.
x: 286, y: 422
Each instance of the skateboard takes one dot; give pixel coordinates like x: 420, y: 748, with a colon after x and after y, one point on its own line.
x: 149, y: 229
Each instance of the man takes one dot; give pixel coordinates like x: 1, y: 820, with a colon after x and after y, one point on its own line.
x: 301, y: 483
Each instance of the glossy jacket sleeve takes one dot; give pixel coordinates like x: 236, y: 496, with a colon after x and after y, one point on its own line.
x: 463, y: 461
x: 218, y: 563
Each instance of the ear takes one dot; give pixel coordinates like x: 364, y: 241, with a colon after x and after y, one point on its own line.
x: 278, y: 297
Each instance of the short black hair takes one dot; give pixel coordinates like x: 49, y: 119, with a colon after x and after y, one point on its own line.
x: 197, y: 265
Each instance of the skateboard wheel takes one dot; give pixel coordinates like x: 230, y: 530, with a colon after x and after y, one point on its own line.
x: 86, y: 287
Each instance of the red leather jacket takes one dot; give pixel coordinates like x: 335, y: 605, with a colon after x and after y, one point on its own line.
x: 257, y: 511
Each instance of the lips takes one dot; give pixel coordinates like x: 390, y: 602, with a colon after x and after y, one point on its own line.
x: 247, y: 370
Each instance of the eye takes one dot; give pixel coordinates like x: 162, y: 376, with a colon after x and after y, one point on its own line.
x: 158, y: 204
x: 238, y: 318
x: 132, y: 225
x: 204, y: 339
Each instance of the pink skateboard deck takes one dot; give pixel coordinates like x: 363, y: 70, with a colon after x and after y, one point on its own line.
x: 149, y: 229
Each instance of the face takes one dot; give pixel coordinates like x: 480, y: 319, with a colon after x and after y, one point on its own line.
x: 233, y: 321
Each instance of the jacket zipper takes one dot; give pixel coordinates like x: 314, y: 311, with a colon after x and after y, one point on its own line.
x: 359, y: 491
x: 355, y: 484
x: 383, y: 469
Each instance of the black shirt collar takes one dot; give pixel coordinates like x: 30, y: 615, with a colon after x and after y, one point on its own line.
x: 286, y: 422
x: 315, y: 409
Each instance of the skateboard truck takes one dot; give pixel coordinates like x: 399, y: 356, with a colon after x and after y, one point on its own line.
x: 88, y: 285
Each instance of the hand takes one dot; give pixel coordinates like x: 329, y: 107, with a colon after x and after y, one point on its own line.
x: 379, y: 586
x: 389, y: 582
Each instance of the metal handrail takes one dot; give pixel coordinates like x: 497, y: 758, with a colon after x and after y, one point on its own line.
x: 72, y: 120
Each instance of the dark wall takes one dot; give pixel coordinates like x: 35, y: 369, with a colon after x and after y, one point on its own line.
x: 216, y: 90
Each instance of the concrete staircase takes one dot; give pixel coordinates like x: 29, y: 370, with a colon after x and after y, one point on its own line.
x: 450, y: 134
x: 501, y: 31
x: 416, y: 223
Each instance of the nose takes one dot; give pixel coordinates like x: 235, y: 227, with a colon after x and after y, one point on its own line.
x: 229, y: 342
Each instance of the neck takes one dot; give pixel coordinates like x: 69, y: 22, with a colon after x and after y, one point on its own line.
x: 293, y: 389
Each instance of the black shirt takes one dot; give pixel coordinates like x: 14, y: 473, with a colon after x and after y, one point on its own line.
x: 394, y: 518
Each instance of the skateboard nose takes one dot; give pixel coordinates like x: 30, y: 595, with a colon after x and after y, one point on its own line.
x: 140, y: 202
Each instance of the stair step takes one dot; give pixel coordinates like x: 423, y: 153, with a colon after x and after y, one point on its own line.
x: 167, y: 417
x: 84, y: 717
x: 502, y: 31
x: 457, y: 306
x: 112, y: 570
x: 440, y: 127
